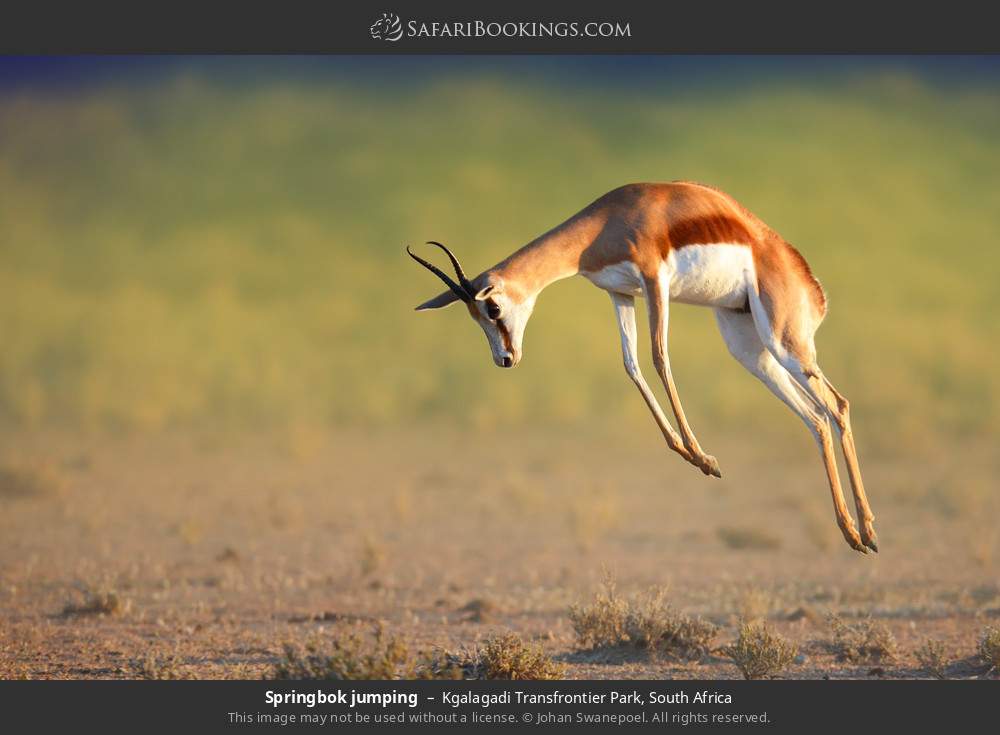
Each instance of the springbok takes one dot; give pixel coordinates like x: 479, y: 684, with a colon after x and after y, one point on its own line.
x: 694, y: 244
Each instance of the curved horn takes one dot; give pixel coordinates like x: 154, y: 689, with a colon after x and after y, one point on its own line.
x: 462, y: 278
x: 462, y: 293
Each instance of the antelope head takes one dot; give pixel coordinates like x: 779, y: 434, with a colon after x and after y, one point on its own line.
x: 501, y: 309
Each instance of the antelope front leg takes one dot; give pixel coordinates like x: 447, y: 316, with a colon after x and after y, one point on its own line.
x: 625, y: 310
x: 659, y: 307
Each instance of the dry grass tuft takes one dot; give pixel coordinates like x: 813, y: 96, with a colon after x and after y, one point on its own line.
x: 101, y: 602
x: 448, y: 665
x: 346, y: 657
x: 378, y: 656
x: 507, y: 656
x: 648, y: 623
x: 652, y: 624
x: 28, y: 480
x: 601, y: 624
x: 989, y: 648
x: 865, y: 642
x: 932, y: 659
x: 759, y: 653
x: 502, y: 656
x: 158, y: 667
x: 746, y: 537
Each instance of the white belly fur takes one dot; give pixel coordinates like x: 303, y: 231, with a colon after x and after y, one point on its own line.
x: 706, y: 275
x: 709, y: 275
x: 621, y: 277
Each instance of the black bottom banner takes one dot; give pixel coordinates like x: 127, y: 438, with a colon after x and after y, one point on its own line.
x: 779, y: 706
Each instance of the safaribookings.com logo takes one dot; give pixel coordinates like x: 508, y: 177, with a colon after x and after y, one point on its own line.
x: 387, y: 28
x: 390, y: 28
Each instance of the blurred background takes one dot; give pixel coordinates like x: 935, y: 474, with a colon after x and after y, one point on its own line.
x: 223, y: 428
x: 219, y: 241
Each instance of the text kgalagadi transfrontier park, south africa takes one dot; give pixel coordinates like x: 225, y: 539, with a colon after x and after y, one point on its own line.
x: 353, y: 698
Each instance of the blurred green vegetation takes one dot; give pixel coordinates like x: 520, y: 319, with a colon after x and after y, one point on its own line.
x: 190, y: 251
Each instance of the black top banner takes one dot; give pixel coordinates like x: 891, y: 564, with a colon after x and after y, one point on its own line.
x: 449, y: 27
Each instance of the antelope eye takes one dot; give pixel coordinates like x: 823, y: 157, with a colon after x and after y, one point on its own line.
x: 492, y: 311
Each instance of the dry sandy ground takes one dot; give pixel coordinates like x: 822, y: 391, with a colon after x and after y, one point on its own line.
x: 220, y: 549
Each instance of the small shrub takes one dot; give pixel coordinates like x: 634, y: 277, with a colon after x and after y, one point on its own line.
x: 652, y: 624
x: 759, y: 653
x: 989, y: 648
x: 507, y: 656
x: 932, y: 659
x: 749, y: 538
x: 601, y: 624
x: 447, y: 665
x: 102, y: 602
x: 865, y: 642
x: 501, y: 656
x: 346, y: 657
x: 647, y: 623
x: 158, y: 667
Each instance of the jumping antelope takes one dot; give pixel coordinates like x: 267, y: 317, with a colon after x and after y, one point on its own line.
x: 693, y: 244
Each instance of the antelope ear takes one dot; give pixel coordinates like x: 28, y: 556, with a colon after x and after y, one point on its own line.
x: 494, y: 288
x: 439, y: 301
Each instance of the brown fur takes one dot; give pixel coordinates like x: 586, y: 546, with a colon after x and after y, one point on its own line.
x: 644, y: 222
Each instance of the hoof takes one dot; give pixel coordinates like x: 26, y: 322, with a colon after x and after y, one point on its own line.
x: 853, y: 539
x: 710, y: 466
x: 868, y: 537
